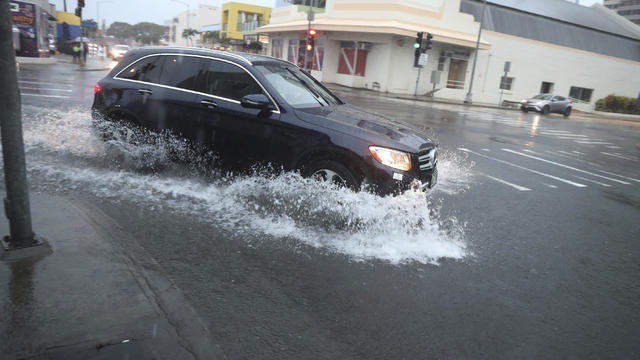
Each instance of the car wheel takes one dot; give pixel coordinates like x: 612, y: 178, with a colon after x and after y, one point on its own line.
x: 545, y: 110
x: 567, y: 112
x: 333, y: 172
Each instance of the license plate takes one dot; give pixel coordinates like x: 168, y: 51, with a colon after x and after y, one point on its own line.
x: 434, y: 179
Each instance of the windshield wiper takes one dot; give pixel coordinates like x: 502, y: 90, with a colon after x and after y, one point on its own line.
x: 315, y: 94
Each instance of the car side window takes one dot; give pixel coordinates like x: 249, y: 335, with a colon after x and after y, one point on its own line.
x: 558, y: 98
x: 181, y: 71
x: 228, y: 81
x: 147, y: 69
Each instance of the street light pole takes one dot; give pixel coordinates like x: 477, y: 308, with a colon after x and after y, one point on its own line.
x: 467, y: 99
x: 98, y: 16
x: 16, y: 203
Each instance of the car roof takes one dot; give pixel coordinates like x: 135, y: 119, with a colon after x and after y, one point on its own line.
x: 249, y: 59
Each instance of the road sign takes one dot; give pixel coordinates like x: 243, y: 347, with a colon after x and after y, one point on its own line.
x: 422, y: 61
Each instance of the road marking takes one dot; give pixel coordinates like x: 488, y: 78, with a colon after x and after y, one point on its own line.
x: 591, y: 181
x: 565, y: 166
x: 614, y: 147
x: 617, y: 155
x: 592, y: 142
x: 577, y: 152
x: 526, y: 169
x: 515, y: 186
x: 51, y: 89
x: 486, y: 150
x: 551, y: 186
x: 556, y: 131
x: 620, y: 176
x: 43, y: 82
x: 51, y: 96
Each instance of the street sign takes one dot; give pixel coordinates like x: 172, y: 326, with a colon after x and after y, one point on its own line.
x: 422, y: 61
x: 507, y: 66
x: 311, y: 15
x: 435, y: 77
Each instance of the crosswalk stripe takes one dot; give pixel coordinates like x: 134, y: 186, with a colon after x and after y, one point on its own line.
x: 515, y: 186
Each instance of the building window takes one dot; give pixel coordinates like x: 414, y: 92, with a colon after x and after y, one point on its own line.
x: 582, y: 94
x: 353, y: 58
x: 441, y: 61
x: 546, y: 87
x: 506, y: 83
x: 457, y: 74
x: 276, y: 49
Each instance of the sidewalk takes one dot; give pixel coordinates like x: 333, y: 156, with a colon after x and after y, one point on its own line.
x: 91, y: 299
x: 94, y: 63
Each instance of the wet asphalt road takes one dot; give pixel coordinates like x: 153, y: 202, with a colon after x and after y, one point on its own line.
x: 547, y: 211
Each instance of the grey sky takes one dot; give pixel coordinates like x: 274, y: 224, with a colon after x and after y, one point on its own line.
x: 157, y: 11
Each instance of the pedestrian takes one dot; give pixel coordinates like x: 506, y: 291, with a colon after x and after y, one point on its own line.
x: 85, y: 50
x: 76, y: 53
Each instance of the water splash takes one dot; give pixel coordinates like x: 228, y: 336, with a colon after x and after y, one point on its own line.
x: 66, y: 156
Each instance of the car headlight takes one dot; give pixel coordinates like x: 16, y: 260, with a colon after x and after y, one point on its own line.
x: 540, y: 103
x: 523, y: 101
x: 392, y: 158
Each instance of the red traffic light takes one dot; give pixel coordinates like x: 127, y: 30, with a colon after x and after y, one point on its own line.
x: 313, y: 33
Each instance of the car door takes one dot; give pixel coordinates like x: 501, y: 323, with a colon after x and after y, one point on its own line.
x: 172, y: 104
x: 136, y: 86
x: 557, y: 104
x: 240, y: 135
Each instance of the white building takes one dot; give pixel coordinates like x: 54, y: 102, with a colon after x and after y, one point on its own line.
x: 553, y: 46
x: 204, y: 18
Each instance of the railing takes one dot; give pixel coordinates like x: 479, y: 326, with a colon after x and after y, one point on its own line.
x: 455, y: 84
x: 249, y: 26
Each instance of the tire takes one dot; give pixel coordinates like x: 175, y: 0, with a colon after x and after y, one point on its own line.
x: 567, y: 112
x: 545, y: 110
x: 335, y: 172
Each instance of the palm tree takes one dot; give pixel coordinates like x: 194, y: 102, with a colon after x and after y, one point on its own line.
x: 189, y: 33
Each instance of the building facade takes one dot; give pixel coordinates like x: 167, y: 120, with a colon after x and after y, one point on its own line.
x: 205, y: 16
x: 239, y: 23
x: 568, y: 49
x: 629, y: 9
x: 34, y: 26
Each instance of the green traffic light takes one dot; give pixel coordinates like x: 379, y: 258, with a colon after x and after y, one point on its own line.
x: 416, y: 45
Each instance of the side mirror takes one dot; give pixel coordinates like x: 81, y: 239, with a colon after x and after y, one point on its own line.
x: 255, y: 101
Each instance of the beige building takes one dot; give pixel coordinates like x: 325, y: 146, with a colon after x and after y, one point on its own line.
x: 204, y: 16
x: 552, y: 45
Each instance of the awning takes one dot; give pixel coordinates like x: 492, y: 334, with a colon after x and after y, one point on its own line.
x: 377, y: 27
x: 209, y: 28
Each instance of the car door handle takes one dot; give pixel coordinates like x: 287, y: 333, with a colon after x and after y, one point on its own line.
x: 145, y: 91
x: 208, y: 103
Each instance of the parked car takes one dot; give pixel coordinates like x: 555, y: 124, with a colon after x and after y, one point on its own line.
x: 118, y: 51
x: 548, y: 103
x: 253, y: 109
x: 52, y: 44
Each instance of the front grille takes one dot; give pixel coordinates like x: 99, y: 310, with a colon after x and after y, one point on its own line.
x: 428, y: 161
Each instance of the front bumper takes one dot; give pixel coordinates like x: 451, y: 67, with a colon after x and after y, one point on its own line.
x: 422, y: 176
x: 531, y: 107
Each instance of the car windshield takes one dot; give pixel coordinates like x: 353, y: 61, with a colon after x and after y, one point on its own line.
x: 296, y: 87
x: 542, y: 97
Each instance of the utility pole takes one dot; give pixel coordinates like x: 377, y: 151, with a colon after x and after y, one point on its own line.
x: 65, y: 5
x: 310, y: 17
x: 16, y: 203
x: 467, y: 99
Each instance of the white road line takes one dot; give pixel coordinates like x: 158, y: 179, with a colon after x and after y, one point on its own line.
x: 43, y: 83
x: 486, y: 150
x: 592, y: 142
x: 613, y: 147
x: 566, y: 137
x: 551, y: 186
x: 617, y: 155
x: 526, y: 169
x: 557, y: 131
x: 51, y: 96
x: 577, y: 152
x: 620, y: 176
x: 43, y: 89
x: 591, y: 181
x: 565, y: 166
x: 515, y: 186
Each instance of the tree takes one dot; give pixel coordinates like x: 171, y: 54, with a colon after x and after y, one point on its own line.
x: 148, y: 33
x: 215, y: 37
x: 189, y: 33
x: 121, y: 30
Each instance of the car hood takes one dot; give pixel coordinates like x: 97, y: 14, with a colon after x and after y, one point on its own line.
x: 376, y: 129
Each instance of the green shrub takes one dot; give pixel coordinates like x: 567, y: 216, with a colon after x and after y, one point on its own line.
x: 618, y: 104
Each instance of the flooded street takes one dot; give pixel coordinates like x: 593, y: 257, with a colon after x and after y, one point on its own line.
x: 526, y: 248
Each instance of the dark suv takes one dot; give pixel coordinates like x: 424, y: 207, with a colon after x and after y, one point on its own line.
x: 253, y: 109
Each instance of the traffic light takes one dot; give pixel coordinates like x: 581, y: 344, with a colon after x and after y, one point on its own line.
x: 418, y: 46
x: 427, y: 43
x: 311, y: 39
x: 80, y: 3
x: 79, y: 12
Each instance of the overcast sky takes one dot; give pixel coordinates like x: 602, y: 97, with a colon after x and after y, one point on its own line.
x: 157, y: 11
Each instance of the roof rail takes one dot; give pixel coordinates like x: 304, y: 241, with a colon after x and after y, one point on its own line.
x: 227, y: 53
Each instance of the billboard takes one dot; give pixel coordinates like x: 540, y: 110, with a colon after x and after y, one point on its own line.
x: 25, y: 18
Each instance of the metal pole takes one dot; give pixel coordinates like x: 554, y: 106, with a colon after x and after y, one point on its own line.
x: 417, y: 81
x: 188, y: 28
x: 467, y: 100
x: 16, y: 203
x: 306, y: 52
x: 65, y: 5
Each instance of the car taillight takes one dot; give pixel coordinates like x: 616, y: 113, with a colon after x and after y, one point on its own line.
x: 97, y: 89
x: 571, y: 101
